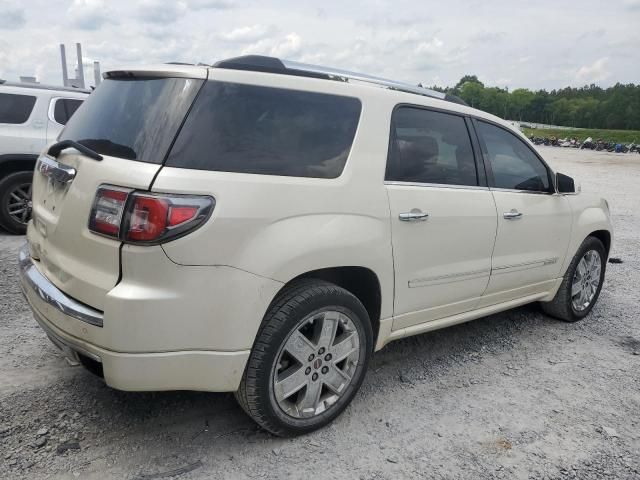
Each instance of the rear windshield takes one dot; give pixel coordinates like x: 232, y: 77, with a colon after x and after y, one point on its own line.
x: 270, y: 131
x: 136, y: 119
x: 15, y: 108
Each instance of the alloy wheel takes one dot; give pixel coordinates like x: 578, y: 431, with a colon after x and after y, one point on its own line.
x: 19, y: 205
x: 316, y: 364
x: 586, y: 280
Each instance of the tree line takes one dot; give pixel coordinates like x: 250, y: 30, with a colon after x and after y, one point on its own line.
x: 616, y: 107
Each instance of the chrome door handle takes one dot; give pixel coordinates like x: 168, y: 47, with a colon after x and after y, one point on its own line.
x: 414, y: 215
x: 512, y: 215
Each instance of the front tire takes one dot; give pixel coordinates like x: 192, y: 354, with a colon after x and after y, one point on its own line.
x: 582, y: 283
x: 309, y: 358
x: 15, y: 202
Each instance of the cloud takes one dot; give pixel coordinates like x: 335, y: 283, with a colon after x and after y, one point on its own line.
x: 633, y: 5
x: 401, y: 40
x: 160, y: 11
x: 89, y: 14
x: 287, y: 48
x: 596, y: 72
x: 429, y: 47
x: 487, y: 37
x: 210, y: 4
x: 290, y: 46
x: 251, y: 33
x: 12, y: 17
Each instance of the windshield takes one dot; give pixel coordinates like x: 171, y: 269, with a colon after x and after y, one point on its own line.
x: 133, y: 118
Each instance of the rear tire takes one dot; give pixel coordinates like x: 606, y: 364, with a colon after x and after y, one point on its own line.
x: 309, y: 358
x: 15, y: 202
x: 581, y: 284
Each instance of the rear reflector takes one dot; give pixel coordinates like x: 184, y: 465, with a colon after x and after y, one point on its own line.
x: 178, y: 215
x: 147, y: 218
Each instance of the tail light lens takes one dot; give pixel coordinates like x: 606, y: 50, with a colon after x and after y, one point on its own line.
x: 108, y: 208
x: 147, y: 218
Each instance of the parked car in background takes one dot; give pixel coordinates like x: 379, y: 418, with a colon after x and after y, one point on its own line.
x: 263, y: 226
x: 31, y: 116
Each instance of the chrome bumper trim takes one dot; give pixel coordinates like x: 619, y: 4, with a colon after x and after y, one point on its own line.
x: 31, y: 278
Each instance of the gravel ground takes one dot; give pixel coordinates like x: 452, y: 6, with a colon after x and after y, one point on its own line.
x: 516, y: 395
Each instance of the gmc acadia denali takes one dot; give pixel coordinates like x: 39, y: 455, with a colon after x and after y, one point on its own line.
x: 263, y: 226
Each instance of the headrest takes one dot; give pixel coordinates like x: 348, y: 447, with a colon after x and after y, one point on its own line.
x: 414, y: 154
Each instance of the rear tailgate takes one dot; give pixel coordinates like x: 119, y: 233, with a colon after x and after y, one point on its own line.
x: 130, y: 120
x: 80, y: 263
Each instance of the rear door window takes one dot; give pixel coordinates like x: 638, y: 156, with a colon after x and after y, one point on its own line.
x: 15, y: 108
x: 430, y: 147
x: 133, y: 118
x: 64, y: 109
x: 269, y: 131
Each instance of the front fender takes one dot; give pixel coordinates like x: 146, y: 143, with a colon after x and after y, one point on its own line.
x: 590, y: 215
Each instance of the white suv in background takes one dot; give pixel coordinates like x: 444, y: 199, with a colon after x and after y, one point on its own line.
x: 262, y: 227
x: 31, y: 116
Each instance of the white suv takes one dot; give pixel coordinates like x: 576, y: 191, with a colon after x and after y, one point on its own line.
x: 31, y: 116
x: 263, y: 227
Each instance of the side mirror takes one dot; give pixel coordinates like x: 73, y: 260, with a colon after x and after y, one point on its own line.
x: 565, y: 183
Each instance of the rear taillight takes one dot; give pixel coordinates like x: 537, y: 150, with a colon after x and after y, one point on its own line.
x: 147, y: 218
x: 108, y: 208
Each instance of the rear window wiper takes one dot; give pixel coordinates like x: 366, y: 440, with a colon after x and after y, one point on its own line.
x: 56, y: 148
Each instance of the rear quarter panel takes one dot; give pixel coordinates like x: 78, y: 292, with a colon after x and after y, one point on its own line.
x: 282, y: 227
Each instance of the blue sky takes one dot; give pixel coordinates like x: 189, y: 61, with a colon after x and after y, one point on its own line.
x: 542, y: 44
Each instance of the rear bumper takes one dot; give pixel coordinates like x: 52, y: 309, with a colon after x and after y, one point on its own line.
x: 216, y: 371
x: 51, y: 295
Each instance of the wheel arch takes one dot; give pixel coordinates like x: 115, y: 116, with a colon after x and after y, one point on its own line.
x: 362, y: 282
x: 11, y: 163
x: 591, y: 219
x: 605, y: 237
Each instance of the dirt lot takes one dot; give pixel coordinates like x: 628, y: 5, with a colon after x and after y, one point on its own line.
x: 516, y: 395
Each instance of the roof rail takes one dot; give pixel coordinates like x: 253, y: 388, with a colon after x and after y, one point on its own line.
x: 261, y: 63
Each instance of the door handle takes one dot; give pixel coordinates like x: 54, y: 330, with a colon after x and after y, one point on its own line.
x: 512, y: 215
x: 414, y: 215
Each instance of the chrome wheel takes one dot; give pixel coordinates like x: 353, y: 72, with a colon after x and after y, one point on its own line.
x: 316, y: 364
x: 586, y: 280
x: 19, y: 205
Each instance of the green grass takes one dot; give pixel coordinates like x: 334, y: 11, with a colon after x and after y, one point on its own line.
x: 618, y: 136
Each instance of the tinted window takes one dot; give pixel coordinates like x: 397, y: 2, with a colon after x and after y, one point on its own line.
x: 271, y: 131
x: 15, y: 108
x: 136, y: 119
x: 64, y: 108
x: 513, y: 163
x: 430, y: 147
